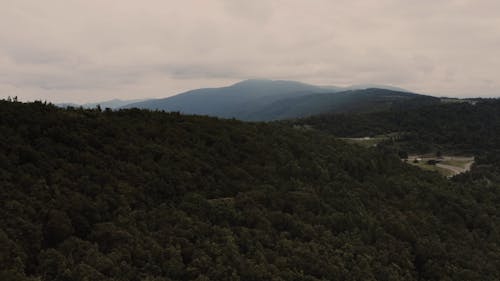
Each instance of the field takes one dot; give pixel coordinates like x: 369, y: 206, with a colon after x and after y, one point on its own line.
x: 370, y: 141
x: 447, y: 165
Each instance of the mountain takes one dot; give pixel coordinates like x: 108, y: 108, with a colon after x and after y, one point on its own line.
x: 377, y: 86
x: 247, y: 100
x: 238, y: 100
x: 364, y: 87
x: 113, y: 104
x: 140, y: 195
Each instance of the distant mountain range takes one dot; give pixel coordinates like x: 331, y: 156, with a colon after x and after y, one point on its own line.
x: 241, y: 100
x: 113, y: 104
x: 265, y: 100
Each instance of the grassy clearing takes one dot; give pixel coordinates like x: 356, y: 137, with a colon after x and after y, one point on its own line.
x: 364, y: 142
x: 369, y: 141
x: 456, y: 164
x: 433, y: 168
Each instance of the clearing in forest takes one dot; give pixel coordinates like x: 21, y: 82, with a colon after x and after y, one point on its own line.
x: 445, y: 165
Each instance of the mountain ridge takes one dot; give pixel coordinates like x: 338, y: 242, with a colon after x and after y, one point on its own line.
x: 113, y: 103
x: 246, y: 99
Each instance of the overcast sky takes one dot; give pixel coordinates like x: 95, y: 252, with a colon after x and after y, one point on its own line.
x: 94, y: 50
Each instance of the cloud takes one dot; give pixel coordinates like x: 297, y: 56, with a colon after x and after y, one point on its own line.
x: 90, y: 50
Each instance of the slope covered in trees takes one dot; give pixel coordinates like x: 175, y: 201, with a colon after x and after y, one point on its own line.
x: 138, y: 195
x: 472, y: 126
x: 356, y: 101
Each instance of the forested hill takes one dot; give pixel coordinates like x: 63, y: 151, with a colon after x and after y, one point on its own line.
x: 356, y: 101
x: 139, y: 195
x: 468, y: 125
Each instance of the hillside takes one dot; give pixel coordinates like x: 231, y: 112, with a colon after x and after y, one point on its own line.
x: 264, y: 100
x: 466, y: 127
x: 462, y: 126
x: 355, y: 101
x: 139, y: 195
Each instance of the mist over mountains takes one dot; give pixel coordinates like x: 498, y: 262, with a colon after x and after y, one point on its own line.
x: 265, y: 100
x: 114, y: 103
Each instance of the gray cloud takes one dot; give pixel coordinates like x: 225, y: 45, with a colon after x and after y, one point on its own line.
x: 89, y: 50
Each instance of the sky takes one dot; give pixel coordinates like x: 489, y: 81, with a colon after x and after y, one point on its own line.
x: 94, y: 50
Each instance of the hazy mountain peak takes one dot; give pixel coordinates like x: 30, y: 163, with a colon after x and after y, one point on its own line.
x: 252, y: 82
x: 113, y: 103
x: 269, y: 82
x: 376, y: 86
x: 265, y: 99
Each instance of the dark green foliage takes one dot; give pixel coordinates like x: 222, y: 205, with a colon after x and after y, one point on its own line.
x: 471, y: 128
x: 57, y: 227
x: 138, y: 195
x: 456, y: 126
x: 403, y: 154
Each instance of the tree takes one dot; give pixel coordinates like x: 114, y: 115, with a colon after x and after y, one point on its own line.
x: 439, y: 154
x: 403, y: 154
x: 57, y: 228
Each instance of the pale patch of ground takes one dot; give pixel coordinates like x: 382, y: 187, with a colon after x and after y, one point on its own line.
x: 446, y: 165
x: 370, y: 141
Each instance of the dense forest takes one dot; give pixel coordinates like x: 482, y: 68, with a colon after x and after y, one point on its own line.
x: 467, y: 127
x: 463, y: 126
x: 140, y: 195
